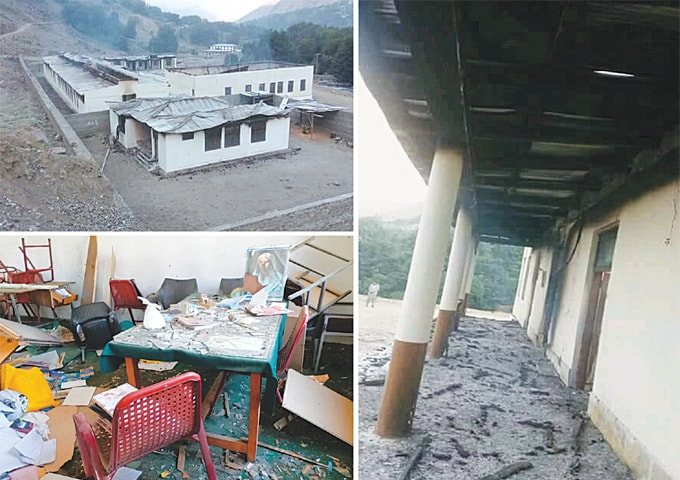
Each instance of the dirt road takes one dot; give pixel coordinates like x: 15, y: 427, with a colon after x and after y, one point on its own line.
x: 489, y: 404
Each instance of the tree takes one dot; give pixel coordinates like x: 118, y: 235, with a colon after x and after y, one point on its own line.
x: 203, y: 34
x: 130, y: 30
x: 164, y: 41
x: 281, y: 46
x: 342, y: 65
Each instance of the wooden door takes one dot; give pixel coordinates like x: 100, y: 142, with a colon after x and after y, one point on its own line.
x: 597, y: 297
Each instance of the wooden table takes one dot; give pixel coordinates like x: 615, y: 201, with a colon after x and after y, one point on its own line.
x: 43, y: 291
x: 238, y: 342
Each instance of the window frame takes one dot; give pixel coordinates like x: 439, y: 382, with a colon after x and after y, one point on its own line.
x: 214, y: 144
x: 234, y: 134
x: 255, y: 131
x: 187, y: 136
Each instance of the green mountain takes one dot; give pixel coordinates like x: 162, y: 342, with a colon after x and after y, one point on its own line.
x: 330, y: 13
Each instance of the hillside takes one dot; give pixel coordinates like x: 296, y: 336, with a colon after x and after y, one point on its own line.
x: 331, y: 13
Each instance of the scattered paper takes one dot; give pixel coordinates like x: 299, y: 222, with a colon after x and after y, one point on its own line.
x: 156, y: 365
x: 8, y: 456
x: 73, y: 383
x: 51, y: 359
x: 27, y: 473
x: 259, y: 299
x: 125, y: 473
x: 79, y: 396
x: 56, y: 476
x: 34, y: 450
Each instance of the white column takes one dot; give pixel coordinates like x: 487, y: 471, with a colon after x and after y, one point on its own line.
x: 413, y: 327
x: 455, y: 274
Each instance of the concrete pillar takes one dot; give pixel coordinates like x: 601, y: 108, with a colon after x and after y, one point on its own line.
x: 415, y: 319
x: 462, y: 238
x: 467, y: 287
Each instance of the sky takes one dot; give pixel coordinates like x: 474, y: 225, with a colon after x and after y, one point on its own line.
x: 216, y: 10
x: 387, y: 180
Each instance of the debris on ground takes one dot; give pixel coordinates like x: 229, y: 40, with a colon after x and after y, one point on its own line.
x: 491, y: 413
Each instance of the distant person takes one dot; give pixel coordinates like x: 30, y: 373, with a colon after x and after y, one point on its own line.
x: 373, y: 290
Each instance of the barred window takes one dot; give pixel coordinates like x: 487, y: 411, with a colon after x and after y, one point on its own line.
x: 291, y: 85
x: 213, y: 138
x: 279, y: 87
x: 232, y: 135
x: 188, y: 136
x: 303, y: 84
x: 258, y: 132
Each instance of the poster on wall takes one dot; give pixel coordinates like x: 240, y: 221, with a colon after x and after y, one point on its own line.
x: 267, y: 268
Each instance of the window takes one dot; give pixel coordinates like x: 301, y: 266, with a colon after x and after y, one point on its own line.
x: 258, y: 132
x: 213, y: 138
x: 193, y: 92
x: 303, y: 84
x: 272, y: 87
x: 279, y: 87
x: 227, y: 90
x: 249, y: 88
x: 232, y: 135
x: 130, y: 96
x: 121, y: 124
x: 261, y: 87
x: 188, y: 136
x: 291, y: 85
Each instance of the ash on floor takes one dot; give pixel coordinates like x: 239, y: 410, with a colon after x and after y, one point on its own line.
x: 492, y: 403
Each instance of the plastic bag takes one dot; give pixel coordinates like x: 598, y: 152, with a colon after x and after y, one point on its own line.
x: 13, y: 404
x: 29, y: 382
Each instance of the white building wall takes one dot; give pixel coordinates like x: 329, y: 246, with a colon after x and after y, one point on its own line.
x: 637, y: 377
x: 529, y: 305
x: 177, y: 154
x: 214, y: 85
x: 636, y: 389
x: 97, y: 100
x: 146, y: 258
x: 520, y: 307
x: 571, y: 306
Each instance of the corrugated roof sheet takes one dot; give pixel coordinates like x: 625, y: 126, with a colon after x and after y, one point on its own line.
x: 191, y: 114
x: 80, y: 72
x: 311, y: 106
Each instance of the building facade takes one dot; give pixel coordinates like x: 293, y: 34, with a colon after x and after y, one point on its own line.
x: 144, y: 62
x: 615, y: 326
x: 188, y: 132
x: 287, y: 80
x: 88, y: 85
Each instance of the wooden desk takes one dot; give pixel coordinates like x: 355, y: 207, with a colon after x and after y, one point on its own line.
x: 41, y: 294
x: 238, y: 342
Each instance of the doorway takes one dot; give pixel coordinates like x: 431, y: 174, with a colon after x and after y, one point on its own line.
x: 597, y: 297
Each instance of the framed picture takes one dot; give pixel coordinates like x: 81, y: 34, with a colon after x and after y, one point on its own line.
x: 267, y: 268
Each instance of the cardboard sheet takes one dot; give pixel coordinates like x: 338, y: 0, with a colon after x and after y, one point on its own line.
x: 62, y: 428
x: 319, y: 405
x: 79, y: 396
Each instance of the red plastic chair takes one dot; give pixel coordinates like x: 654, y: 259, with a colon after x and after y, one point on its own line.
x: 286, y: 352
x: 124, y: 294
x: 144, y: 421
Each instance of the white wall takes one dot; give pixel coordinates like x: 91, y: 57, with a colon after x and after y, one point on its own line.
x: 96, y: 100
x: 571, y: 309
x: 177, y: 154
x: 636, y: 389
x: 638, y: 367
x: 529, y: 304
x: 99, y: 99
x: 213, y: 85
x: 147, y: 258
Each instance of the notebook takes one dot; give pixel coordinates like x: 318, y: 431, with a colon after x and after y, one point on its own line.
x: 108, y: 400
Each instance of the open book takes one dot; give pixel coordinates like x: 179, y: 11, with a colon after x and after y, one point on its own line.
x: 108, y: 400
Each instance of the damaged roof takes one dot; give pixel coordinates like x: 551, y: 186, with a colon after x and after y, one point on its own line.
x: 310, y: 106
x: 555, y: 104
x: 85, y: 73
x: 190, y: 114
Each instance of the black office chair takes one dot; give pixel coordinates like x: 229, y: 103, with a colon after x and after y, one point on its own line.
x: 228, y: 285
x: 173, y: 290
x: 93, y: 326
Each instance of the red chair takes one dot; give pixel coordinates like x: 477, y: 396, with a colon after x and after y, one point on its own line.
x: 286, y: 352
x: 124, y: 294
x: 144, y: 421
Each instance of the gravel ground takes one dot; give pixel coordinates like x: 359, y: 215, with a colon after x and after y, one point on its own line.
x: 487, y: 405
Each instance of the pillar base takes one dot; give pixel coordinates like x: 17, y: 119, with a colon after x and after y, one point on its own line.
x: 445, y: 322
x: 401, y: 389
